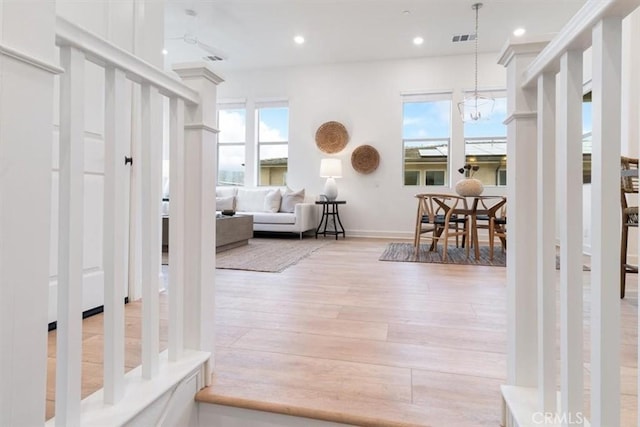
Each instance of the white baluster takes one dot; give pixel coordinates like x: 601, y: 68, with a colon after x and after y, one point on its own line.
x: 546, y: 257
x: 151, y: 195
x: 70, y: 242
x: 570, y: 186
x: 115, y: 233
x: 176, y: 230
x: 606, y: 223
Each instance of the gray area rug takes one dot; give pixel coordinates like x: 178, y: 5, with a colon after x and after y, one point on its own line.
x: 264, y: 254
x: 405, y: 252
x: 269, y: 255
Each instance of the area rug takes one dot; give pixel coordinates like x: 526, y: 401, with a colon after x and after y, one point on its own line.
x: 271, y: 255
x: 405, y: 252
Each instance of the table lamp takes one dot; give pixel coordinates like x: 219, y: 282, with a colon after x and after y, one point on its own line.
x: 330, y: 169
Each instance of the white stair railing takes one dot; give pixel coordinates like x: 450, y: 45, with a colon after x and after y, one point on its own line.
x: 192, y: 225
x: 542, y: 116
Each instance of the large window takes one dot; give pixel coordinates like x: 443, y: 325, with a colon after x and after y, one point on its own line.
x: 426, y: 134
x: 273, y: 144
x: 231, y: 144
x: 486, y: 144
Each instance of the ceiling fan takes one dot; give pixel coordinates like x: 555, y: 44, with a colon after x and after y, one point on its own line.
x: 190, y: 37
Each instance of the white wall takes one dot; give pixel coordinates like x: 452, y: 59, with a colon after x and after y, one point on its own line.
x: 365, y: 97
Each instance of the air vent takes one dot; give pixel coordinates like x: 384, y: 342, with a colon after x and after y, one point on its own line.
x: 212, y: 58
x: 463, y: 38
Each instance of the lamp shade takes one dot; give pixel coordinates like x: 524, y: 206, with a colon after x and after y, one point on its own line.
x: 331, y: 168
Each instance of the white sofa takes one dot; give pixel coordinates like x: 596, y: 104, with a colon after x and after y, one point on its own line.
x: 273, y: 209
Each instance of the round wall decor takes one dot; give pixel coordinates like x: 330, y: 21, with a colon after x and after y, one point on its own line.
x: 365, y: 159
x: 332, y: 137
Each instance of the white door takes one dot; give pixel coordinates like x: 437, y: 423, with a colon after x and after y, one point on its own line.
x: 93, y: 275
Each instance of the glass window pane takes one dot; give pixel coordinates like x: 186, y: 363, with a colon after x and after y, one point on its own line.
x: 274, y: 124
x: 486, y: 145
x: 411, y: 177
x: 273, y: 164
x: 426, y: 130
x: 232, y: 125
x: 231, y: 165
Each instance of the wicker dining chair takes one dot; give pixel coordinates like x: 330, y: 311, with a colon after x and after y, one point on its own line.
x: 437, y: 215
x: 628, y: 185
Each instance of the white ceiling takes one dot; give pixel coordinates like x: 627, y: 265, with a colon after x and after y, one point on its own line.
x: 259, y: 33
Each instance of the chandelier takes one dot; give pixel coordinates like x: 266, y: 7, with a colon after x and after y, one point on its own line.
x: 476, y: 107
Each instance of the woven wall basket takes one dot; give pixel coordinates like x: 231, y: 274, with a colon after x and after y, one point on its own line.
x: 365, y: 159
x: 332, y: 137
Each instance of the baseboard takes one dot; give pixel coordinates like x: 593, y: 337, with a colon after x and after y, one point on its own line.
x: 88, y: 313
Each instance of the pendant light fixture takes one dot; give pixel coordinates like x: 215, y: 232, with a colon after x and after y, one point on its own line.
x: 476, y: 107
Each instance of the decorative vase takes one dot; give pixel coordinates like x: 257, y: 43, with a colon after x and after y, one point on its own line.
x: 469, y: 187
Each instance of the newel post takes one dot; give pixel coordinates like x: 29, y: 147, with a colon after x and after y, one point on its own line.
x: 522, y: 350
x: 200, y: 160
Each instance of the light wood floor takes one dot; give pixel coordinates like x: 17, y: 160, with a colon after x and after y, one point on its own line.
x: 346, y: 337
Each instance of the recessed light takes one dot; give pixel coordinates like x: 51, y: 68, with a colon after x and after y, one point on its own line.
x: 298, y: 39
x: 406, y: 12
x: 165, y: 51
x: 418, y: 41
x: 518, y: 32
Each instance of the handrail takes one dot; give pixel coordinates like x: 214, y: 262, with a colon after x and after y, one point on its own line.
x: 104, y: 53
x: 576, y: 35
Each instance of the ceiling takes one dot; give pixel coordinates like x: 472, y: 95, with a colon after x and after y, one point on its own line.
x: 259, y: 33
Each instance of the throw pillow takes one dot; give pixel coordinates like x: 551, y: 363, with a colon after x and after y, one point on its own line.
x: 272, y: 201
x: 224, y: 203
x: 290, y: 199
x: 251, y: 200
x: 226, y: 191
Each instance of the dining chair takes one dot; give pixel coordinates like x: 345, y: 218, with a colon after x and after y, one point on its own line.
x: 438, y: 214
x: 491, y: 214
x: 498, y: 228
x: 628, y: 185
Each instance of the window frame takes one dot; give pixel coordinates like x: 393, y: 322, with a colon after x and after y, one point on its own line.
x: 237, y: 105
x: 427, y: 97
x: 259, y: 144
x: 489, y: 139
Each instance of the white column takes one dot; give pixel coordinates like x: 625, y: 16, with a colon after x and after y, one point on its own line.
x: 70, y: 241
x: 199, y: 210
x: 522, y: 351
x: 546, y: 265
x: 176, y: 229
x: 115, y: 234
x: 151, y: 211
x: 26, y: 117
x: 605, y: 261
x: 570, y: 207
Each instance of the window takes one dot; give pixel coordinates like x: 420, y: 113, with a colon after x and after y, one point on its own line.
x: 486, y: 143
x: 411, y: 177
x: 273, y: 144
x: 231, y: 144
x: 426, y: 134
x: 434, y: 178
